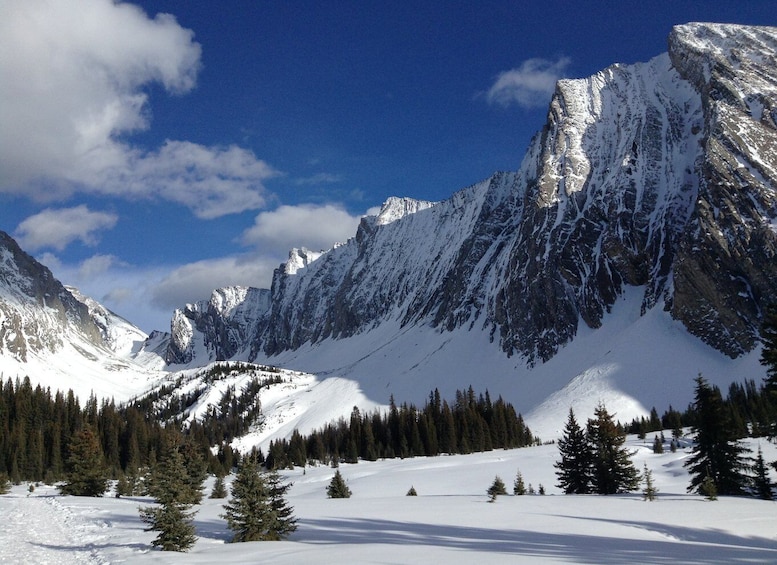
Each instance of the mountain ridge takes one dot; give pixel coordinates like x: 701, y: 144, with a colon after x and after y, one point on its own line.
x: 646, y: 203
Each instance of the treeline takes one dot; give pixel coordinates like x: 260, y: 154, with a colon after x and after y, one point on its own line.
x: 472, y: 423
x: 750, y: 409
x: 37, y: 426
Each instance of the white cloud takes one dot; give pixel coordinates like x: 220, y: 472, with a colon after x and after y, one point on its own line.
x: 314, y: 227
x: 195, y: 281
x: 75, y: 75
x: 97, y: 265
x: 530, y: 85
x: 59, y: 228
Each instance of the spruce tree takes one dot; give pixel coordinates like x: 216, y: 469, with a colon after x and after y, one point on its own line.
x: 497, y: 488
x: 519, y: 487
x: 412, y: 492
x: 219, y: 489
x: 769, y: 360
x: 716, y: 454
x: 172, y: 490
x: 337, y: 487
x: 257, y: 510
x: 86, y: 473
x: 761, y: 481
x: 574, y: 468
x: 650, y: 491
x: 613, y: 470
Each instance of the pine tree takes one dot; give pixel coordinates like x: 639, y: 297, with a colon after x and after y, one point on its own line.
x: 219, y: 489
x: 257, y: 510
x: 769, y: 359
x: 497, y: 488
x: 86, y: 474
x: 574, y: 468
x: 196, y: 472
x: 337, y: 487
x: 171, y: 488
x: 650, y: 490
x: 716, y: 454
x: 412, y: 492
x: 658, y: 445
x: 613, y: 470
x: 519, y: 488
x: 761, y: 481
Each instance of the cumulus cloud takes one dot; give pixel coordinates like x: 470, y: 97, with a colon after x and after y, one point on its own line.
x: 195, y: 281
x: 75, y: 76
x: 59, y: 228
x: 307, y: 225
x: 529, y: 85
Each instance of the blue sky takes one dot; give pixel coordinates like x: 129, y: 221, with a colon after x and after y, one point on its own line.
x: 150, y: 152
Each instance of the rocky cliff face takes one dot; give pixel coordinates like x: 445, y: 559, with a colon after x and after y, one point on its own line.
x: 36, y: 312
x: 219, y: 328
x: 725, y: 270
x: 659, y: 175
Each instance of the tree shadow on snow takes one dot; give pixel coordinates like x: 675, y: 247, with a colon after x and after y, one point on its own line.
x: 687, y: 545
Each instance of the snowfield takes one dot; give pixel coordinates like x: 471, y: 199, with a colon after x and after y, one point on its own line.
x: 450, y: 521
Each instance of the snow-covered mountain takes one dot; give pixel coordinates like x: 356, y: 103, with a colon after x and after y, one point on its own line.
x: 654, y: 183
x: 61, y: 339
x: 635, y: 247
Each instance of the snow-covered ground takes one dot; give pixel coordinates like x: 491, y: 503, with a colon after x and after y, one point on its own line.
x: 450, y: 521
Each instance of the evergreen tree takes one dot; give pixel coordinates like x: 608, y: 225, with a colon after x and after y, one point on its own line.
x: 574, y: 468
x: 86, y: 475
x: 5, y: 484
x: 337, y: 487
x: 257, y: 510
x: 124, y: 487
x: 171, y: 488
x: 716, y: 454
x: 196, y: 472
x: 761, y: 481
x: 658, y: 445
x: 650, y: 490
x: 219, y: 489
x: 708, y: 489
x: 519, y: 488
x: 769, y: 351
x: 613, y: 470
x: 497, y: 488
x: 769, y: 360
x: 412, y: 492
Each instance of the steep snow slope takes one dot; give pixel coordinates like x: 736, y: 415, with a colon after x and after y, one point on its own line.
x: 632, y: 363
